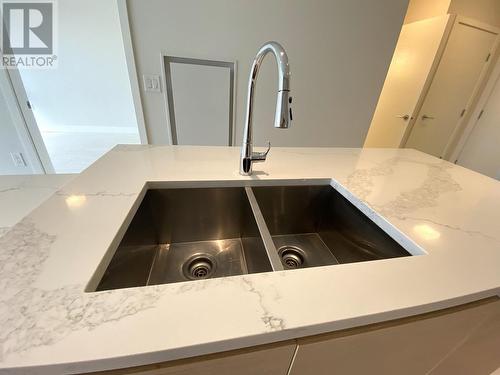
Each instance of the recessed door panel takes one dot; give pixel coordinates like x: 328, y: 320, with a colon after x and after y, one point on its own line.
x: 200, y: 101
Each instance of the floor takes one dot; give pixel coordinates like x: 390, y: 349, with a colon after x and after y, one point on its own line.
x: 73, y: 152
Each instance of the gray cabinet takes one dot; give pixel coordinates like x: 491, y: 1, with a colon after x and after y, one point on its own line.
x: 462, y: 340
x: 263, y: 360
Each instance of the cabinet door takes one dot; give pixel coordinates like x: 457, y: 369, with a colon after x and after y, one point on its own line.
x: 478, y: 354
x: 264, y: 360
x: 406, y: 346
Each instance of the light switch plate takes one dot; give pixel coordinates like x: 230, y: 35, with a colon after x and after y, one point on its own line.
x: 152, y: 83
x: 18, y: 159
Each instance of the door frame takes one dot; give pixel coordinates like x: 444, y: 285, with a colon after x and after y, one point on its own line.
x: 30, y: 135
x: 132, y: 69
x: 24, y: 121
x: 449, y: 148
x: 478, y: 88
x: 493, y: 81
x: 28, y: 149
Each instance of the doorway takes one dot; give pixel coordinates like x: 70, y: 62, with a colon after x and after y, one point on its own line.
x: 77, y: 111
x: 460, y: 70
x: 438, y: 70
x: 413, y: 62
x: 18, y: 154
x: 479, y: 148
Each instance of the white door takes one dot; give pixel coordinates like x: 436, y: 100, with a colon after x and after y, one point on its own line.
x: 411, y: 65
x: 482, y: 149
x: 460, y: 70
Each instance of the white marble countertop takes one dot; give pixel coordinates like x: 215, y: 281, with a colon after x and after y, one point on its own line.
x: 50, y: 325
x: 20, y: 194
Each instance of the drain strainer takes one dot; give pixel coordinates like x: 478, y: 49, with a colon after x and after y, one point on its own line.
x: 291, y: 257
x: 199, y: 267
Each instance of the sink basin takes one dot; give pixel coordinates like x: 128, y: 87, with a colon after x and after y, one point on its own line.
x: 183, y: 234
x: 188, y: 234
x: 315, y: 225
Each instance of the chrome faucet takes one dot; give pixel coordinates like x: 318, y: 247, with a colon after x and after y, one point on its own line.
x: 283, y: 115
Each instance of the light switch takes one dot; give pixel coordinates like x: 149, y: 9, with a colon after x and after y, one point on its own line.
x: 18, y: 159
x: 151, y: 83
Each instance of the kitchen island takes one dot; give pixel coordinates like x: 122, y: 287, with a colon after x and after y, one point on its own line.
x: 51, y: 320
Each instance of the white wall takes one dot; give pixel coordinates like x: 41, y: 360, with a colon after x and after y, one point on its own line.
x: 487, y: 11
x: 90, y: 87
x: 422, y: 9
x: 339, y: 53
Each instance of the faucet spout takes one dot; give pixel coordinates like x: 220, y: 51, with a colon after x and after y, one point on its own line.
x: 283, y: 114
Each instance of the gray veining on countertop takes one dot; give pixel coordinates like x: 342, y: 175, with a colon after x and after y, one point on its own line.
x: 47, y: 259
x: 24, y: 252
x: 20, y: 194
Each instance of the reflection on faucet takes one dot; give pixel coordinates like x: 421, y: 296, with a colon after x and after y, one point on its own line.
x: 283, y: 115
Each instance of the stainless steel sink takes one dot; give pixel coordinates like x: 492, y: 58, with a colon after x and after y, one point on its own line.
x: 188, y: 234
x: 183, y: 234
x: 315, y: 225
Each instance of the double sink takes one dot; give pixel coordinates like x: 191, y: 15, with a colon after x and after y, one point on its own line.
x: 183, y: 234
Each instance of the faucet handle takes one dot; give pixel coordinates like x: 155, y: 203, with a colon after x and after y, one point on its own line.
x: 261, y: 156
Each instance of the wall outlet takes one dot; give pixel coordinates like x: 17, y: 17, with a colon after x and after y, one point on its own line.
x: 152, y: 83
x: 18, y: 159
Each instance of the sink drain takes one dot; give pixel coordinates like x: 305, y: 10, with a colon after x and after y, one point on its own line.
x: 199, y: 267
x: 291, y: 257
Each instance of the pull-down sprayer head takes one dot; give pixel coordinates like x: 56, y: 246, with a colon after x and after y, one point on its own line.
x: 283, y: 115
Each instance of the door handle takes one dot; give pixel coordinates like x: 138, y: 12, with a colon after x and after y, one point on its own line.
x: 404, y: 117
x: 425, y: 117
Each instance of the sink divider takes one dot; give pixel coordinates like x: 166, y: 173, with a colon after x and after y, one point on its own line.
x: 271, y: 251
